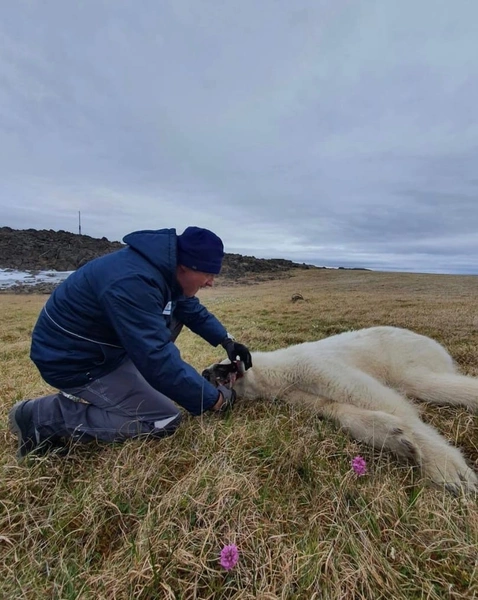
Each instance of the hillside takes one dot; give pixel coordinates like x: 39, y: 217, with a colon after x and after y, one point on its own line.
x: 37, y: 250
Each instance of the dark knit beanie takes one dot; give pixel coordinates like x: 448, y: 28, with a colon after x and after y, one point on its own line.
x: 201, y: 250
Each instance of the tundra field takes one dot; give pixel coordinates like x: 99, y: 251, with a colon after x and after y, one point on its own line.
x: 147, y: 519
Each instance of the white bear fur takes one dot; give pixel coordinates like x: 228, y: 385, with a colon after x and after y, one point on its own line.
x: 361, y: 380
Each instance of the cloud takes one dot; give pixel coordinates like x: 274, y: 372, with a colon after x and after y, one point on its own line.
x: 338, y: 132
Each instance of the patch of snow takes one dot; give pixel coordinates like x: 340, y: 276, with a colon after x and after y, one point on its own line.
x: 11, y: 277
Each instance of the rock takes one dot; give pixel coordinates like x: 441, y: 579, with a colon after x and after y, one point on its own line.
x: 31, y: 249
x: 40, y: 250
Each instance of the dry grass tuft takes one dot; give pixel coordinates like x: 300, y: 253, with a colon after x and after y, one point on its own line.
x: 147, y: 519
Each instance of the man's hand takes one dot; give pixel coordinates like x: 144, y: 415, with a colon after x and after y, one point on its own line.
x: 226, y: 399
x: 236, y: 351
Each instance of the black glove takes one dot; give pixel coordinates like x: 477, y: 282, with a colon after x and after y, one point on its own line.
x: 234, y: 350
x: 229, y: 396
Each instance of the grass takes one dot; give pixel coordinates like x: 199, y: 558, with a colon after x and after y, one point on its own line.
x: 147, y: 519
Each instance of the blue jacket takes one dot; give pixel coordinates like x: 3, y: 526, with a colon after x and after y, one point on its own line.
x: 120, y: 305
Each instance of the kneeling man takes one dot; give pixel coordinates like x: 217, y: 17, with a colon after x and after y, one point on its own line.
x: 105, y: 340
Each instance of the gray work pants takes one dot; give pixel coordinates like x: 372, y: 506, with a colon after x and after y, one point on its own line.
x: 112, y: 408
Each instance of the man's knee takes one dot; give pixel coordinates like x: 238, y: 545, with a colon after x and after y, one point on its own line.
x: 166, y: 426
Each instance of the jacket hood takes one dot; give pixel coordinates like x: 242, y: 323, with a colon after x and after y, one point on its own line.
x: 159, y: 247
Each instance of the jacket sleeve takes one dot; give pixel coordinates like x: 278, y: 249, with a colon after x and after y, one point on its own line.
x: 138, y: 322
x: 199, y: 320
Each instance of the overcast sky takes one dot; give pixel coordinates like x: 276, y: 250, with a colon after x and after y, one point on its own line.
x: 337, y: 132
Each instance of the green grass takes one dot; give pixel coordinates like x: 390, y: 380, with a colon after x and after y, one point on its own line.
x: 147, y: 519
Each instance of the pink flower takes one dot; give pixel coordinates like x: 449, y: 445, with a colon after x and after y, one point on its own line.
x: 229, y: 556
x: 359, y: 465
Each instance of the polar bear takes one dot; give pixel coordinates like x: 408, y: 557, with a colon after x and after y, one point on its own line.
x: 361, y: 380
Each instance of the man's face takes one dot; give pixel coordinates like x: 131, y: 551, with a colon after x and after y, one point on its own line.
x: 192, y: 281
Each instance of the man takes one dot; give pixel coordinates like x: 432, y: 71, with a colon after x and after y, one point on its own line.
x: 105, y: 340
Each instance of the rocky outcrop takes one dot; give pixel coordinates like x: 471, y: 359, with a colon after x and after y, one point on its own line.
x: 46, y: 249
x: 36, y: 250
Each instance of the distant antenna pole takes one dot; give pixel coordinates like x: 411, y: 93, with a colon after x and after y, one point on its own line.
x: 79, y: 222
